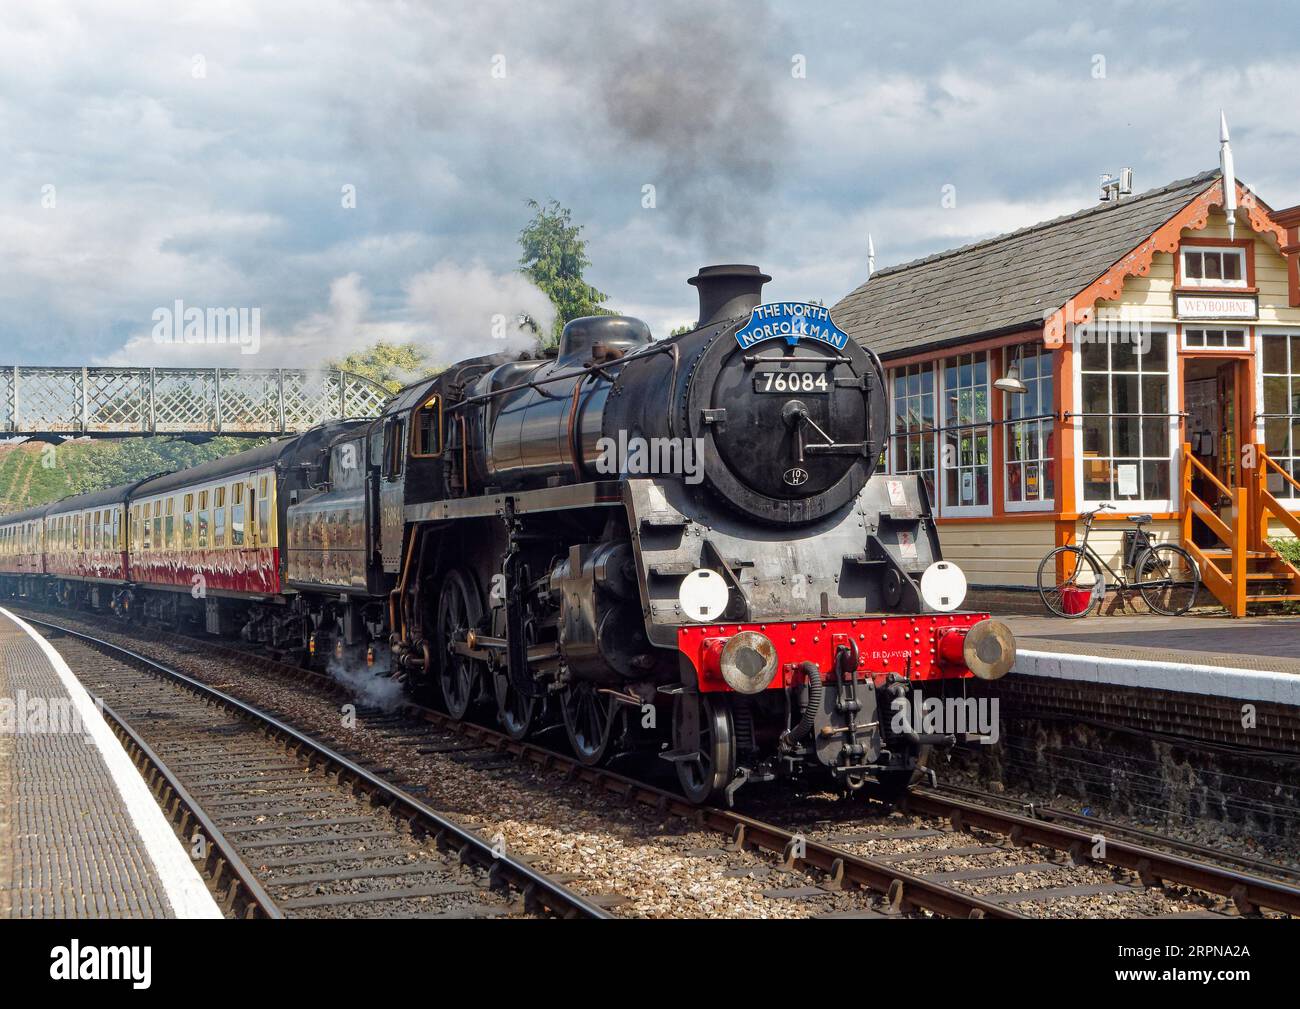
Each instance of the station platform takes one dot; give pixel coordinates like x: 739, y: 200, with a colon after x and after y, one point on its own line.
x: 80, y: 834
x: 1208, y: 678
x: 1259, y: 656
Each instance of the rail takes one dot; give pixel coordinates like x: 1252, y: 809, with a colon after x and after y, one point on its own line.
x: 533, y: 885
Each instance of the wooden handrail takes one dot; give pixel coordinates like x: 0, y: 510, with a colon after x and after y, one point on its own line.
x: 1187, y: 452
x: 1270, y: 461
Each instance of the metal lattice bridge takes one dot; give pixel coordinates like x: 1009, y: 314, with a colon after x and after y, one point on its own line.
x: 144, y: 401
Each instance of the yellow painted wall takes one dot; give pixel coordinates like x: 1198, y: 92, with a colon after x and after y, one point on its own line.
x: 996, y: 553
x: 1150, y: 298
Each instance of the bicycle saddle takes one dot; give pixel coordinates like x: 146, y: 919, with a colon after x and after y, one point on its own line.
x: 1140, y: 520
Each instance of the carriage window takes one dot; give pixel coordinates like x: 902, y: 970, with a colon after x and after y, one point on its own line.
x: 157, y: 525
x: 96, y: 540
x: 146, y: 527
x: 203, y: 519
x: 187, y: 522
x: 264, y: 511
x: 237, y: 515
x: 117, y: 529
x: 135, y: 527
x: 169, y: 524
x: 427, y: 433
x: 219, y: 518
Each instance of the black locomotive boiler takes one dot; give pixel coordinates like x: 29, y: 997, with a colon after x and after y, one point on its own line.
x: 678, y: 546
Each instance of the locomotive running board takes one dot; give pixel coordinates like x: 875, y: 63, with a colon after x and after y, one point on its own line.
x: 597, y: 494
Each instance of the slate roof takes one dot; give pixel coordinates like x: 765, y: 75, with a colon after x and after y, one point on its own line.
x: 1008, y: 282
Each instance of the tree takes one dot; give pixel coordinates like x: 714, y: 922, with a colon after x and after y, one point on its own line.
x: 392, y: 365
x: 554, y: 258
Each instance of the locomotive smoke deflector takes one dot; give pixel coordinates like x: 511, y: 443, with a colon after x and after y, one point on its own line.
x: 727, y: 292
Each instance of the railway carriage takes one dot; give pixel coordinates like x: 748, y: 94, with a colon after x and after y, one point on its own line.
x: 85, y: 547
x: 205, y: 544
x: 22, y: 545
x: 678, y: 547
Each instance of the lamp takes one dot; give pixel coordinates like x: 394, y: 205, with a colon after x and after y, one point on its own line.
x: 1010, y: 382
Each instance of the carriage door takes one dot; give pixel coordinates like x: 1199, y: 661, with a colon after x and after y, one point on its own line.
x: 251, y: 539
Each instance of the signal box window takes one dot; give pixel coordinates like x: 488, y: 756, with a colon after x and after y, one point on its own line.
x: 1214, y: 267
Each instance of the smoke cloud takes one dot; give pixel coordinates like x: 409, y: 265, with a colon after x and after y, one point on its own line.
x: 450, y: 311
x: 696, y: 90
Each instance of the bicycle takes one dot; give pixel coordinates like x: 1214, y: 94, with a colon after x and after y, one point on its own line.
x: 1165, y: 575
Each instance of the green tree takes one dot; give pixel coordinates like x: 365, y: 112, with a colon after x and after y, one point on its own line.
x: 554, y: 258
x: 392, y: 365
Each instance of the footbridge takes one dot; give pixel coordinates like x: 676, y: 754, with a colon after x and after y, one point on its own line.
x: 117, y: 402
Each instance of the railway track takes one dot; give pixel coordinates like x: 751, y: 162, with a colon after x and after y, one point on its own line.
x: 956, y: 859
x: 282, y: 825
x: 1112, y: 828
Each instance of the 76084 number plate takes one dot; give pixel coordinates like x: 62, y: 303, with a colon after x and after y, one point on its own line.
x: 787, y: 382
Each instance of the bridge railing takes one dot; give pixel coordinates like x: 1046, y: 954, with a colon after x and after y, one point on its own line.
x: 143, y: 401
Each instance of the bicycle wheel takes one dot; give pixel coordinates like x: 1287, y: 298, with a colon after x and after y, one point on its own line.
x: 1169, y: 579
x: 1065, y: 597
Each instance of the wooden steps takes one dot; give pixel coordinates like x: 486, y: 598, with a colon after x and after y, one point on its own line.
x: 1244, y: 572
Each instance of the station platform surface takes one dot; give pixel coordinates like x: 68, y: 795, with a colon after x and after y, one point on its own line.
x: 80, y: 834
x: 1252, y: 659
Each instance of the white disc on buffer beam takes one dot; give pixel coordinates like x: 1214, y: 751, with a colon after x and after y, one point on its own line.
x: 943, y: 586
x: 704, y: 595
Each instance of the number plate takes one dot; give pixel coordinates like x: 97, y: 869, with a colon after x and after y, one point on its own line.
x: 787, y: 383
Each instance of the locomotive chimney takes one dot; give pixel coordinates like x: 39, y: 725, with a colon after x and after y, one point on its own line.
x: 728, y: 291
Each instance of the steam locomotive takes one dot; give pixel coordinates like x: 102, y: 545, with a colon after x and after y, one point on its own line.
x: 679, y: 547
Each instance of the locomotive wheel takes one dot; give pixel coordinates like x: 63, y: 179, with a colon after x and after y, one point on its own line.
x: 459, y: 610
x: 706, y: 777
x: 589, y: 718
x: 515, y: 712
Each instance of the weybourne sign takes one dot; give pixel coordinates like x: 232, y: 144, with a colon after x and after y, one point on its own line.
x: 791, y: 321
x: 1191, y: 306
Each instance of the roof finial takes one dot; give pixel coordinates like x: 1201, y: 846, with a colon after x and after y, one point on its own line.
x: 871, y: 256
x: 1229, y: 176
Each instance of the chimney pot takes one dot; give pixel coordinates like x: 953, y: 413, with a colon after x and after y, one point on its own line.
x: 728, y: 291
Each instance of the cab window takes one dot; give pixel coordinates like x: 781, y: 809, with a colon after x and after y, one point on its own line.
x: 394, y: 448
x: 426, y: 433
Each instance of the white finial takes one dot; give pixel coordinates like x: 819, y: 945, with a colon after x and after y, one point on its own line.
x: 871, y: 256
x: 1229, y: 176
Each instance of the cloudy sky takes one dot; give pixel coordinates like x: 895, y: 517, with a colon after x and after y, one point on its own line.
x: 209, y: 152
